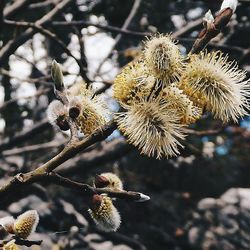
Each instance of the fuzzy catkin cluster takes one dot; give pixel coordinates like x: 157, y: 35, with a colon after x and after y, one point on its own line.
x: 102, y: 210
x: 23, y: 225
x: 87, y: 111
x: 162, y: 92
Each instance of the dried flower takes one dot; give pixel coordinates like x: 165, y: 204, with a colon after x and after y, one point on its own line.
x: 163, y: 58
x: 108, y: 180
x: 57, y: 114
x: 188, y: 112
x: 104, y: 213
x: 152, y: 125
x: 26, y: 224
x: 217, y: 84
x: 7, y: 223
x: 10, y: 246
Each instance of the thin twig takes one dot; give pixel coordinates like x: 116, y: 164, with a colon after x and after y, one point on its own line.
x: 100, y: 26
x: 12, y: 9
x: 126, y: 24
x: 11, y: 46
x: 211, y: 31
x: 24, y: 135
x: 55, y: 38
x: 21, y: 242
x: 38, y: 93
x: 89, y: 190
x: 204, y: 132
x: 32, y: 148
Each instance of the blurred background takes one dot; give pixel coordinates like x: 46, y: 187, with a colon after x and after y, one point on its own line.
x: 199, y: 200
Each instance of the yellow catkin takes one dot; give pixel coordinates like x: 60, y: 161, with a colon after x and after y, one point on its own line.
x: 188, y: 112
x: 89, y: 119
x: 213, y: 82
x: 105, y: 215
x: 163, y: 58
x: 132, y: 83
x: 93, y: 112
x: 153, y: 126
x: 26, y: 223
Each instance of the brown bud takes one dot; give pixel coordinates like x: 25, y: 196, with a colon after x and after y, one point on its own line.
x: 96, y: 201
x: 74, y: 112
x: 101, y: 181
x: 62, y: 124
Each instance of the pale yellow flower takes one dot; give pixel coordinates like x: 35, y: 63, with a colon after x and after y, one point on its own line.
x: 104, y: 213
x: 213, y: 82
x: 152, y: 125
x: 26, y: 223
x: 188, y: 112
x: 163, y: 58
x: 10, y: 246
x: 132, y: 82
x: 92, y: 110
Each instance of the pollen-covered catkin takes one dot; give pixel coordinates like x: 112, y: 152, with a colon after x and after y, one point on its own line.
x: 188, y: 112
x: 131, y: 83
x: 163, y: 58
x: 26, y: 224
x: 152, y: 125
x: 92, y: 110
x: 104, y: 213
x: 213, y: 82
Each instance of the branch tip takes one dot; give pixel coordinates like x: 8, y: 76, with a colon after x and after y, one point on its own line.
x: 232, y: 4
x: 143, y: 197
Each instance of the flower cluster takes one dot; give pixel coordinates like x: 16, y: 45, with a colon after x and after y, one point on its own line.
x: 22, y: 226
x: 83, y: 107
x: 102, y: 210
x: 163, y: 91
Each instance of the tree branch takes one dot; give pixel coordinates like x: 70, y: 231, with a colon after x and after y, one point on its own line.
x: 24, y: 135
x: 88, y: 190
x: 126, y: 24
x: 68, y: 152
x: 13, y: 44
x: 53, y: 37
x: 100, y: 26
x: 211, y: 31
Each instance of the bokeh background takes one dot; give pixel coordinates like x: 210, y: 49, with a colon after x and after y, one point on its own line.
x: 199, y: 200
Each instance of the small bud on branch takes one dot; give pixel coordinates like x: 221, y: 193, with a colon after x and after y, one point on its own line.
x: 232, y: 4
x: 57, y: 76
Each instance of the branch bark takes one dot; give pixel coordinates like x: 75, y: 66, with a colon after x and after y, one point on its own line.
x: 211, y: 31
